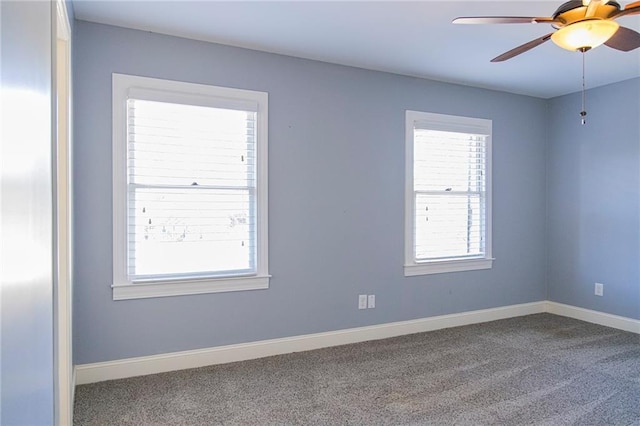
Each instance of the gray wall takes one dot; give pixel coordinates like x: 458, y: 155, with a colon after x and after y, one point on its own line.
x: 336, y: 187
x: 26, y: 262
x: 594, y: 200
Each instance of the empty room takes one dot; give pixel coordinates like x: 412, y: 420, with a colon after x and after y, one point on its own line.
x: 320, y: 212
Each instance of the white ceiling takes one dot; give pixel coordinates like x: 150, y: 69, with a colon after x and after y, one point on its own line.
x: 413, y: 38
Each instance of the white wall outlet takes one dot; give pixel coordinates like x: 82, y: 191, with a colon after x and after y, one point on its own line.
x: 362, y: 301
x: 371, y: 301
x: 599, y: 289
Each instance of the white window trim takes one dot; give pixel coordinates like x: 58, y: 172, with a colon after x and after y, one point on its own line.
x: 445, y: 123
x: 189, y: 92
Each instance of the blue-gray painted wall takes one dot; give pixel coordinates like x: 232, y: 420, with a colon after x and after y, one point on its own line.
x: 27, y: 384
x: 593, y: 191
x: 336, y: 188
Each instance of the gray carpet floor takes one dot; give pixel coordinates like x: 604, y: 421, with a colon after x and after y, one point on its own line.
x: 534, y: 370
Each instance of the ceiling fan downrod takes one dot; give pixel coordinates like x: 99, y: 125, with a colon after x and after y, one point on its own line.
x: 583, y: 113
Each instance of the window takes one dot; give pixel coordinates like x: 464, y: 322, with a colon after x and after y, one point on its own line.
x: 189, y: 188
x: 448, y: 194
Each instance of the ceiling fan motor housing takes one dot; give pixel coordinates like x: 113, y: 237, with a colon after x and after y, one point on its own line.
x: 574, y: 11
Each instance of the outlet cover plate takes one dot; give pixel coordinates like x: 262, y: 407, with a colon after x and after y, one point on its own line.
x: 599, y: 291
x: 362, y: 301
x: 371, y: 301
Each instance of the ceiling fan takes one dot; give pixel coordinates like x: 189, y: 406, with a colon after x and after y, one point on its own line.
x: 579, y: 25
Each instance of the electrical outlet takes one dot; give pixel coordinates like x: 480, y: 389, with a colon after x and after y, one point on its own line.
x: 371, y: 301
x: 599, y: 289
x: 362, y: 301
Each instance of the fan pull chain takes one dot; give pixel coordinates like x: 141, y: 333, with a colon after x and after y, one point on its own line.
x: 583, y: 113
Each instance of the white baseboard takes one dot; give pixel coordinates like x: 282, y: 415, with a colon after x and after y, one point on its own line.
x: 140, y: 366
x: 130, y: 367
x: 596, y: 317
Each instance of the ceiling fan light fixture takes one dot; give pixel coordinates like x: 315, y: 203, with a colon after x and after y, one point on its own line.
x: 585, y: 35
x: 586, y: 2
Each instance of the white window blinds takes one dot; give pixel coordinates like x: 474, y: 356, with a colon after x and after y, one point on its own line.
x: 449, y: 194
x: 191, y: 190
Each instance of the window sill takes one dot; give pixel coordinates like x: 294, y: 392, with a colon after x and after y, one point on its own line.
x: 187, y: 287
x: 439, y: 267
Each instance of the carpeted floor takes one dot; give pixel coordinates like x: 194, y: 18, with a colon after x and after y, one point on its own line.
x: 539, y: 369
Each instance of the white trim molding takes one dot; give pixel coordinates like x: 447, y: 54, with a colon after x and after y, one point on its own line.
x: 140, y: 366
x: 447, y: 266
x: 63, y: 207
x: 595, y: 317
x: 187, y: 287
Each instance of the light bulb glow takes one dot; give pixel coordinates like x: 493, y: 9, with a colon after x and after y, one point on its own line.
x: 585, y: 34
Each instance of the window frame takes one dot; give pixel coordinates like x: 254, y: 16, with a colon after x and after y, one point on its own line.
x: 451, y: 123
x: 190, y: 94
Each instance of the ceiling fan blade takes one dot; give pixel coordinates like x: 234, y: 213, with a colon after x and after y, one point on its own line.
x: 624, y: 39
x: 630, y: 9
x: 521, y: 49
x: 501, y: 20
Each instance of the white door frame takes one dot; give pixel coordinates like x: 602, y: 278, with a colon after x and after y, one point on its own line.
x: 64, y: 380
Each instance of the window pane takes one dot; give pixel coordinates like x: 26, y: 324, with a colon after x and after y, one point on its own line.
x: 448, y: 161
x: 191, y: 231
x: 176, y: 144
x: 448, y: 225
x: 192, y: 181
